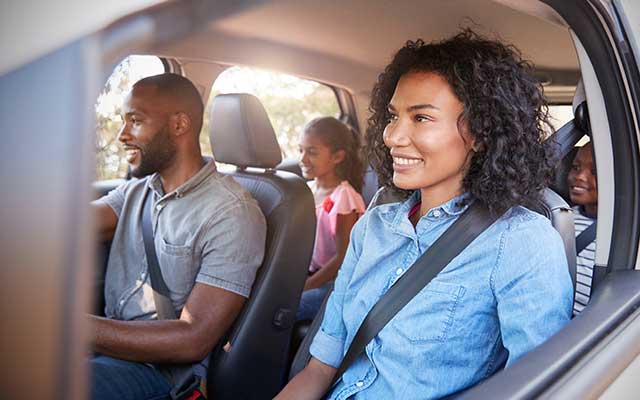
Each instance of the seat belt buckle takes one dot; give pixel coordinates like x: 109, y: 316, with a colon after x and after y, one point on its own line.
x: 187, y: 389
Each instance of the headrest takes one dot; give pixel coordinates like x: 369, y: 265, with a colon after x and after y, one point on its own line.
x: 241, y: 133
x: 580, y: 110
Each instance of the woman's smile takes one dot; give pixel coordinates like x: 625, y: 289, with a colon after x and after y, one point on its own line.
x: 403, y: 164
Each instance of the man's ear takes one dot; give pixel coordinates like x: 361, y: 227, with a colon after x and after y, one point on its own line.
x: 180, y: 123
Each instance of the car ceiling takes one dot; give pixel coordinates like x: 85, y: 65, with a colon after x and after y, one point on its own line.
x: 349, y: 43
x: 31, y: 28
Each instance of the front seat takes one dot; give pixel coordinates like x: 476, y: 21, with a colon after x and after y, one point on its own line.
x: 251, y: 362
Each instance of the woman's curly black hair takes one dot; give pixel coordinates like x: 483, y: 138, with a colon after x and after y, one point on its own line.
x: 504, y: 109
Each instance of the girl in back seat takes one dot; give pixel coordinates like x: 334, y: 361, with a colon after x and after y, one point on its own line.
x: 330, y: 155
x: 453, y: 123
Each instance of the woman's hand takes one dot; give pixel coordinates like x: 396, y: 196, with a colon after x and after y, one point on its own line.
x: 311, y: 383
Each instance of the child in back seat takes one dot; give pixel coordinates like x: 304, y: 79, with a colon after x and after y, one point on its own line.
x: 330, y: 155
x: 583, y: 191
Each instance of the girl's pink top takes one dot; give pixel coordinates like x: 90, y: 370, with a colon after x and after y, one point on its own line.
x: 343, y: 200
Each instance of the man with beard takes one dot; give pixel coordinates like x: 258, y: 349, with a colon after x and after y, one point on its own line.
x: 209, y: 238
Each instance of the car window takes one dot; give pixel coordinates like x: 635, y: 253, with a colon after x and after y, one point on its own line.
x: 560, y: 114
x: 110, y: 161
x: 289, y: 101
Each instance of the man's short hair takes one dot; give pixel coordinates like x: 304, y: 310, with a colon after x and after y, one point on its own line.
x: 181, y: 90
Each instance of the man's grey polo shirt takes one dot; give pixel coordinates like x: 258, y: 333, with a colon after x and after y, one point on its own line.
x: 209, y: 230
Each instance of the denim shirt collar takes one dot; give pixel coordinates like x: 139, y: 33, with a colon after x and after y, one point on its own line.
x: 398, y: 217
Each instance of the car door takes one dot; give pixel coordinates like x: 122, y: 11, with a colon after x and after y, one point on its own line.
x: 599, y: 351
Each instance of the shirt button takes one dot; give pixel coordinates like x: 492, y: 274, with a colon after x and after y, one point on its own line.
x: 159, y: 207
x: 399, y: 271
x: 436, y: 213
x: 121, y: 302
x: 359, y: 384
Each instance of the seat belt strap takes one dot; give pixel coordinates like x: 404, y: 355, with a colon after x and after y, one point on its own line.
x: 567, y: 137
x: 164, y: 307
x: 475, y: 220
x: 585, y: 238
x: 185, y: 382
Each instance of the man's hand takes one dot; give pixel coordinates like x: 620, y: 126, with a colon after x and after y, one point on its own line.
x: 206, y: 316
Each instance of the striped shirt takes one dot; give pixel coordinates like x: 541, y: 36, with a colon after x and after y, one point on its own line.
x: 584, y: 262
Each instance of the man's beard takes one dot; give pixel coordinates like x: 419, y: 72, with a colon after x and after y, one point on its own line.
x: 155, y: 155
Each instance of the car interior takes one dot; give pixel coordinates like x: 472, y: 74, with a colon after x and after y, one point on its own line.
x: 349, y: 66
x: 578, y: 55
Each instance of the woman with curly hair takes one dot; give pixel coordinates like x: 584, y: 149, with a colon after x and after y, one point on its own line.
x: 454, y: 122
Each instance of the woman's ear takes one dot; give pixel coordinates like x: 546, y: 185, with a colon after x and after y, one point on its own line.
x: 477, y: 146
x: 469, y: 138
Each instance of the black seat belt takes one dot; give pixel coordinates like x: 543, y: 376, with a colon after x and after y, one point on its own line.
x: 185, y: 382
x: 475, y: 220
x: 585, y: 238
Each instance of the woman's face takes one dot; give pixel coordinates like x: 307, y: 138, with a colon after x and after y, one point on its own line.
x: 428, y: 150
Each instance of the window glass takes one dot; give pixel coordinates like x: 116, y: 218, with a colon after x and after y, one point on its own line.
x: 560, y: 115
x: 289, y: 101
x: 110, y: 161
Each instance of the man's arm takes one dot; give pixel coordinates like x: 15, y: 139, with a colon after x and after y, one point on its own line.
x: 206, y: 316
x: 106, y: 220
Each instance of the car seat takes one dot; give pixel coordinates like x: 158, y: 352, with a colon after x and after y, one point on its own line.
x: 251, y: 361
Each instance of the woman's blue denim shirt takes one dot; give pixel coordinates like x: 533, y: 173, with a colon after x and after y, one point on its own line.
x: 505, y: 294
